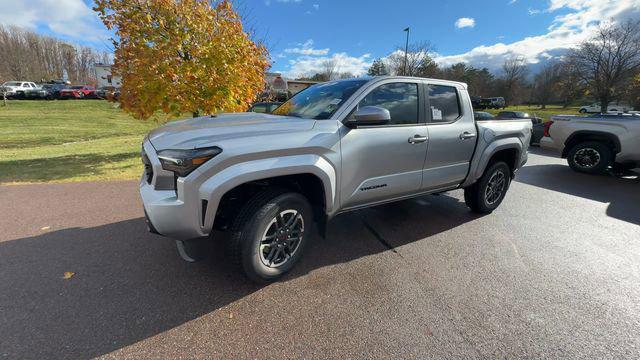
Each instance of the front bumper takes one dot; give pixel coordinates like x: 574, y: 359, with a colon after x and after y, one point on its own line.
x: 169, y: 212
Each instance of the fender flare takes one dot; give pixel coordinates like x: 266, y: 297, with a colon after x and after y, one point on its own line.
x: 476, y: 171
x: 608, y: 135
x: 217, y: 186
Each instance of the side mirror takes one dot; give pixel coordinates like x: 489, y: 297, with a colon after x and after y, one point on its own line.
x: 370, y: 116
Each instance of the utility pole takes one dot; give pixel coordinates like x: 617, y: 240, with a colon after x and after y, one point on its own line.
x: 406, y: 49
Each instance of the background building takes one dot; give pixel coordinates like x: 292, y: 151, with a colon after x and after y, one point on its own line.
x: 104, y: 77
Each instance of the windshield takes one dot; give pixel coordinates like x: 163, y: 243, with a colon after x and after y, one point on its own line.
x: 520, y: 114
x: 77, y: 87
x: 319, y: 101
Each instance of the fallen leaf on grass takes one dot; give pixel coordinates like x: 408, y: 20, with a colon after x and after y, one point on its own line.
x: 230, y: 315
x: 45, y: 228
x: 68, y: 275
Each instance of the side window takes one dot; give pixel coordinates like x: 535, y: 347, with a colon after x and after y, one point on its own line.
x: 401, y: 99
x: 259, y: 108
x: 444, y: 103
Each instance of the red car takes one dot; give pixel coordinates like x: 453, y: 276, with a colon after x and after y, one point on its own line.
x: 78, y: 92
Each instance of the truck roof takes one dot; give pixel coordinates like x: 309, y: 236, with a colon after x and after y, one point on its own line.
x: 464, y: 85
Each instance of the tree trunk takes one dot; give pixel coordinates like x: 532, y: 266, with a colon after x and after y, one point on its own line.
x: 4, y: 98
x: 604, y: 104
x: 196, y: 114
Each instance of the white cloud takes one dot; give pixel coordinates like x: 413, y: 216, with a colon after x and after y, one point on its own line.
x: 306, y: 48
x: 316, y: 6
x: 465, y: 22
x: 307, y: 65
x: 565, y: 32
x: 71, y: 18
x: 533, y: 12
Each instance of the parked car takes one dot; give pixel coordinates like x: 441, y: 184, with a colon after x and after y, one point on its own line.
x: 592, y: 144
x: 612, y: 107
x: 52, y: 91
x: 78, y: 92
x: 495, y: 103
x: 264, y: 107
x: 107, y: 92
x: 481, y: 115
x: 332, y: 148
x: 16, y: 89
x: 45, y: 91
x: 538, y: 123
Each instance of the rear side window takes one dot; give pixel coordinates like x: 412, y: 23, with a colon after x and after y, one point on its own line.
x: 401, y: 99
x: 444, y: 103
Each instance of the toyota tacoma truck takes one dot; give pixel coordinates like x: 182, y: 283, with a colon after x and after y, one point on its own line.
x: 272, y: 180
x: 594, y: 144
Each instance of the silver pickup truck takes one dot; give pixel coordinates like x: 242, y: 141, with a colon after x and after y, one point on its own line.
x: 270, y: 180
x: 592, y: 144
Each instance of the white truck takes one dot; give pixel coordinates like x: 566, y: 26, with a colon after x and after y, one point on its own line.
x: 18, y: 88
x: 614, y: 107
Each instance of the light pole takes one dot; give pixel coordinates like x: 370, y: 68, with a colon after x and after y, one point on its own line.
x: 406, y: 49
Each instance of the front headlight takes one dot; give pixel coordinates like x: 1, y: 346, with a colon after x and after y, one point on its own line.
x: 183, y: 162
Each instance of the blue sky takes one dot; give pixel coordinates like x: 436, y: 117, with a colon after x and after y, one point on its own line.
x: 301, y: 34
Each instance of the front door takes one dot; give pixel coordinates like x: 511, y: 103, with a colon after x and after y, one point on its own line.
x: 384, y: 162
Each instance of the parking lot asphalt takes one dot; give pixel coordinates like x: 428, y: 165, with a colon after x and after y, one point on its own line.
x: 554, y: 272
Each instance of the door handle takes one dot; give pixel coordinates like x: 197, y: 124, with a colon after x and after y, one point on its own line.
x: 467, y: 135
x: 416, y: 139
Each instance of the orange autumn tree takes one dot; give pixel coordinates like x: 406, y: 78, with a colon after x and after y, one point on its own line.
x: 183, y: 56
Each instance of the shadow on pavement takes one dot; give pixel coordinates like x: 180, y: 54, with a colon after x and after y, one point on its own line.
x: 622, y: 193
x: 130, y: 285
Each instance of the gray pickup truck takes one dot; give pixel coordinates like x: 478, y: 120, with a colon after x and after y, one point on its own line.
x: 271, y: 180
x: 593, y: 144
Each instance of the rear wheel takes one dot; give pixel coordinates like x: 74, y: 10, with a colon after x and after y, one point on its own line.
x: 590, y: 157
x: 488, y: 192
x: 270, y: 233
x: 583, y: 111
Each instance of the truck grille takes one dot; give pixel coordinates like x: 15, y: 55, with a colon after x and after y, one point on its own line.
x: 148, y: 169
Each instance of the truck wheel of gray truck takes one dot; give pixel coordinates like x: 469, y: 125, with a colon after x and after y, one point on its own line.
x: 590, y: 157
x: 488, y: 192
x: 270, y: 233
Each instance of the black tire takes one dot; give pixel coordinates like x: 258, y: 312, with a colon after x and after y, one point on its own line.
x: 583, y: 111
x: 590, y: 157
x: 255, y: 220
x: 482, y: 200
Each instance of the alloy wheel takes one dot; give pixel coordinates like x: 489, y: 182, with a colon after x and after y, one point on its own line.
x: 495, y: 187
x: 587, y: 158
x: 282, y: 238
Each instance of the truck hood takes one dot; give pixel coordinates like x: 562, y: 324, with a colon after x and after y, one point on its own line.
x: 208, y: 130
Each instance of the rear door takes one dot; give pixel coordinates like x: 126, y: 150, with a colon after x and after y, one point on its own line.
x: 452, y: 136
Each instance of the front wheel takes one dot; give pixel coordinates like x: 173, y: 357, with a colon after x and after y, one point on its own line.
x: 270, y: 233
x: 583, y: 111
x: 488, y: 192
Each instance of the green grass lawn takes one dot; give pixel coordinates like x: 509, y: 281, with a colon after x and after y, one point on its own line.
x: 73, y: 140
x: 535, y: 110
x: 88, y: 140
